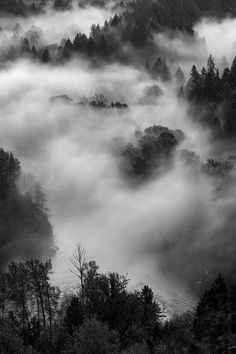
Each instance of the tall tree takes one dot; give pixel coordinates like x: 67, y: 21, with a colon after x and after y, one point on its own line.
x: 194, y: 87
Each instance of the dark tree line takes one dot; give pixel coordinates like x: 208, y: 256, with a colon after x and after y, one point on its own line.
x: 24, y: 224
x: 104, y: 317
x: 24, y: 8
x: 211, y: 328
x: 139, y: 19
x: 134, y: 25
x: 214, y: 96
x: 28, y: 304
x: 98, y: 101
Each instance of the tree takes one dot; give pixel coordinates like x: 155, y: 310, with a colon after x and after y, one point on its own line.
x: 194, y: 87
x: 138, y: 35
x: 210, y: 84
x: 80, y: 43
x: 4, y: 292
x: 39, y: 198
x: 34, y: 52
x: 232, y: 75
x: 161, y: 70
x: 25, y: 47
x: 94, y: 338
x: 68, y: 47
x: 179, y: 77
x: 229, y: 109
x: 46, y: 56
x: 20, y: 288
x: 211, y: 315
x: 9, y: 172
x: 153, y: 148
x: 80, y: 265
x: 75, y: 314
x: 115, y: 20
x: 102, y: 47
x: 90, y: 47
x: 177, y: 334
x: 62, y: 4
x: 11, y: 341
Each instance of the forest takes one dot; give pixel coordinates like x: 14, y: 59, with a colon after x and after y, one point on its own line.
x: 117, y: 176
x: 103, y: 316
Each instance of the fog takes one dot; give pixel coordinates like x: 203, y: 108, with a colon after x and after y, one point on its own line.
x: 51, y: 27
x: 168, y: 232
x: 219, y: 37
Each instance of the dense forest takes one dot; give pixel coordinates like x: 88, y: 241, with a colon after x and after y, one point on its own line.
x: 103, y: 316
x: 134, y: 25
x: 213, y: 94
x: 25, y: 228
x: 23, y: 8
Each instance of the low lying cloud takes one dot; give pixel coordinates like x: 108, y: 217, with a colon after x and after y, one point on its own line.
x: 51, y: 27
x: 219, y: 37
x: 170, y: 231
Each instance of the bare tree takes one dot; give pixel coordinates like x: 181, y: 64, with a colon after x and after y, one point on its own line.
x: 78, y: 260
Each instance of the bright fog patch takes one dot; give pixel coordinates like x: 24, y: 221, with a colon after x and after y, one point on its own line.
x: 219, y: 37
x: 51, y: 27
x: 70, y: 149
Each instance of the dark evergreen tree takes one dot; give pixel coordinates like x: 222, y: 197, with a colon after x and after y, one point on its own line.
x: 34, y: 52
x: 211, y: 315
x: 75, y: 314
x: 194, y: 87
x: 232, y: 77
x: 179, y: 77
x: 102, y: 47
x: 25, y: 47
x: 46, y: 56
x: 161, y: 70
x: 67, y: 50
x: 209, y: 83
x: 9, y: 172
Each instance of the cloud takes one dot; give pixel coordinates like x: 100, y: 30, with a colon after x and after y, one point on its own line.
x: 167, y: 232
x: 219, y: 37
x: 51, y: 27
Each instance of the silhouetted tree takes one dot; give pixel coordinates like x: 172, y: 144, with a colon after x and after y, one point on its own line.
x: 211, y: 315
x: 46, y: 56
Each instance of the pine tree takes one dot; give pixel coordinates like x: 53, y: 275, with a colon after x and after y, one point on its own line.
x: 211, y: 314
x: 179, y: 77
x: 74, y: 317
x: 102, y: 47
x: 67, y: 50
x: 115, y: 21
x: 46, y: 56
x: 25, y: 47
x: 34, y: 52
x: 194, y: 87
x: 233, y: 74
x: 210, y: 85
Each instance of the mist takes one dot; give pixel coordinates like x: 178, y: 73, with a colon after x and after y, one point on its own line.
x: 169, y: 231
x: 51, y: 27
x: 219, y: 37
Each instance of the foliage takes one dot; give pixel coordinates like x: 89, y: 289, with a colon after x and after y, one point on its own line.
x: 213, y: 97
x: 11, y: 341
x: 93, y: 337
x: 23, y: 215
x: 105, y: 317
x: 151, y: 149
